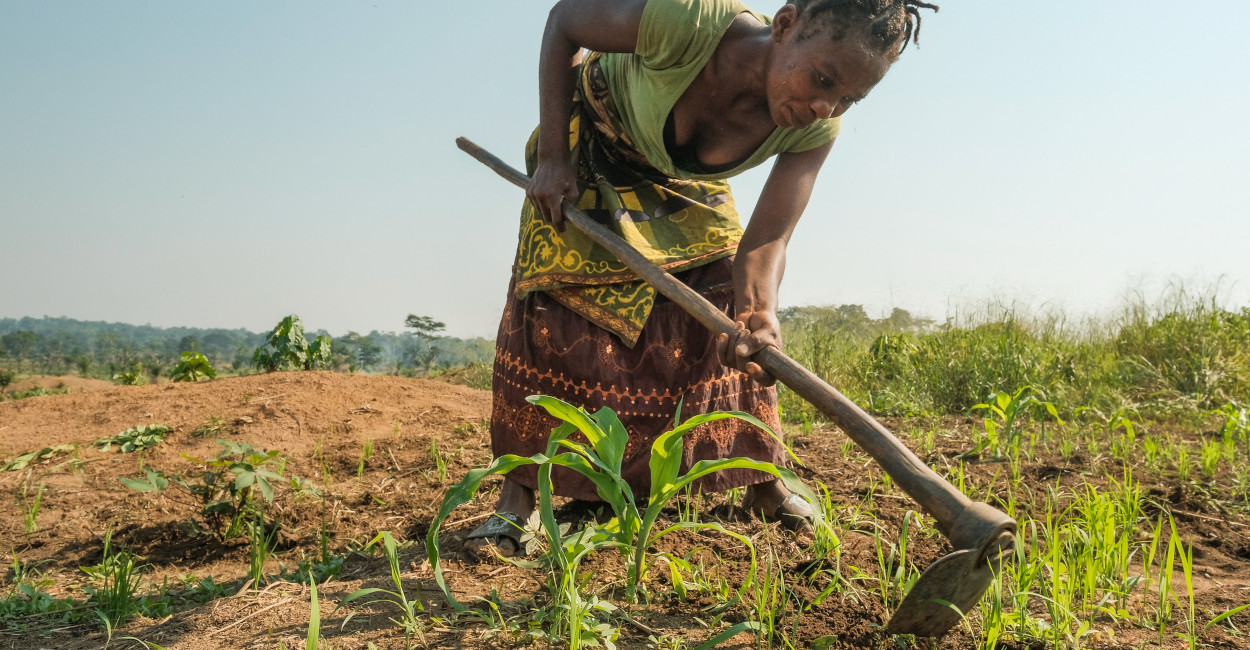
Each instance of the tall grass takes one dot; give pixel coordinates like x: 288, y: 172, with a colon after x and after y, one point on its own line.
x: 1184, y: 355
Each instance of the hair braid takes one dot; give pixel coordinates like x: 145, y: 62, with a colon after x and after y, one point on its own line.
x: 894, y: 22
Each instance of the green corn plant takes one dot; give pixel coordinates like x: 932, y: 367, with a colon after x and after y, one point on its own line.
x: 261, y: 542
x: 1164, y: 612
x: 314, y: 618
x: 770, y: 599
x: 1149, y: 551
x: 440, y: 461
x: 1190, y: 635
x: 1236, y: 427
x: 1121, y: 421
x: 1209, y: 461
x: 1184, y: 467
x: 600, y: 460
x: 117, y: 581
x: 365, y: 455
x: 30, y: 508
x: 1002, y: 436
x: 408, y: 609
x: 1242, y: 481
x: 894, y: 578
x: 1151, y: 447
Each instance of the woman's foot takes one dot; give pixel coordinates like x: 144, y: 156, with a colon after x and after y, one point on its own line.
x: 502, y: 529
x: 771, y: 501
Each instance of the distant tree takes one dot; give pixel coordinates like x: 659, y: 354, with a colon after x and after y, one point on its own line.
x: 189, y: 343
x: 6, y: 378
x: 242, y: 359
x: 365, y: 352
x: 21, y: 345
x: 108, y: 348
x: 217, y: 345
x: 428, y: 329
x: 155, y: 365
x: 903, y: 321
x: 424, y: 325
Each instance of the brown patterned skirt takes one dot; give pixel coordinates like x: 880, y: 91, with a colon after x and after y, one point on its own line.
x: 546, y: 349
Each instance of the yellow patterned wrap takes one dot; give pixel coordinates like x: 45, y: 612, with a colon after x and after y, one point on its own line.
x: 678, y: 224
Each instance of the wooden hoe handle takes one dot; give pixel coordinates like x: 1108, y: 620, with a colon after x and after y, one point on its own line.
x: 938, y: 497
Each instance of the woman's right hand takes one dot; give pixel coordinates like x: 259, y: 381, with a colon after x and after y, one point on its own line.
x: 553, y: 183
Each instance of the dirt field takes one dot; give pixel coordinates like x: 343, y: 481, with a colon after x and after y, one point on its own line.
x: 321, y: 423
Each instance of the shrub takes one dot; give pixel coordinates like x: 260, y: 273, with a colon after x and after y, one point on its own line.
x: 193, y: 366
x: 288, y: 349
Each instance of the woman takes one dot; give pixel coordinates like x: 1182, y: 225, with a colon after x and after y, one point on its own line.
x: 676, y: 96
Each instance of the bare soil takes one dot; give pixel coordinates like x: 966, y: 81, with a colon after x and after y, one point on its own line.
x: 321, y: 422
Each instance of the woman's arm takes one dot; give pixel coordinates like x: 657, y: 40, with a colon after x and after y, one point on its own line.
x: 599, y: 25
x: 761, y: 258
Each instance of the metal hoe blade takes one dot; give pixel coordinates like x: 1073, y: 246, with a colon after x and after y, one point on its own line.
x: 951, y: 587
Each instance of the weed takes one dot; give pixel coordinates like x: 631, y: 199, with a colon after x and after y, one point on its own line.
x: 227, y: 489
x: 213, y: 426
x: 135, y: 438
x: 129, y: 378
x: 28, y: 605
x: 36, y: 392
x: 47, y: 453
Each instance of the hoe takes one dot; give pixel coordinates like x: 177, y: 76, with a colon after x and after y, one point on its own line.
x: 979, y: 533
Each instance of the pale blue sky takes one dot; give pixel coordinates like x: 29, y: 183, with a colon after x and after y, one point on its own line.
x: 224, y: 164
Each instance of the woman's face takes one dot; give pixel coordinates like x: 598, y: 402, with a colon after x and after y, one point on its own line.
x: 812, y: 76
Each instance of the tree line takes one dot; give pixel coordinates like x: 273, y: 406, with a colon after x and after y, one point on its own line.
x: 108, y: 350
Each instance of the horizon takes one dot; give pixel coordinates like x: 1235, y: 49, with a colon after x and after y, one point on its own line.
x: 1173, y: 295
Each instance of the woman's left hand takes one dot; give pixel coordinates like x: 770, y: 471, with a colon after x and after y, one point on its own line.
x: 756, y: 330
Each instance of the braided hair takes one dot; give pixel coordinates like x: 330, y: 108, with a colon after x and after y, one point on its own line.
x: 893, y: 22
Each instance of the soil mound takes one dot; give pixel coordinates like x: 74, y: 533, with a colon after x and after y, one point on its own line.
x: 67, y: 383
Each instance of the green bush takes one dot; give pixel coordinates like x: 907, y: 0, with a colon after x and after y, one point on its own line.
x: 193, y: 366
x: 1186, y: 357
x: 288, y: 349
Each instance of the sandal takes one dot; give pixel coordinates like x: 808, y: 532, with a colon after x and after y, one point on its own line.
x: 794, y: 514
x: 499, y: 526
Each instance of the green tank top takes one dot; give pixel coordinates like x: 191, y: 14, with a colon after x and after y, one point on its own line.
x: 675, y: 41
